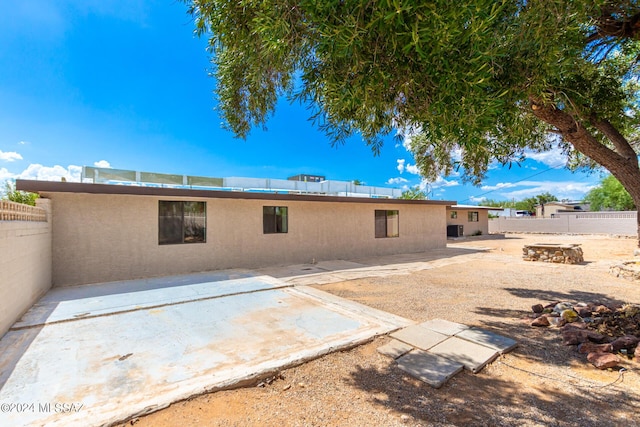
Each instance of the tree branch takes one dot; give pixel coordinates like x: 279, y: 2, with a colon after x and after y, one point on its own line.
x: 620, y: 142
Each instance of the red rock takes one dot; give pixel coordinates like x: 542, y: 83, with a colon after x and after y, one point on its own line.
x: 537, y: 308
x: 575, y: 325
x: 589, y: 347
x: 583, y: 311
x: 574, y: 336
x: 627, y: 342
x: 603, y: 360
x: 540, y: 321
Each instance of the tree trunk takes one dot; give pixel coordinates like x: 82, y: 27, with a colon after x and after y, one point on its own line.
x: 621, y: 162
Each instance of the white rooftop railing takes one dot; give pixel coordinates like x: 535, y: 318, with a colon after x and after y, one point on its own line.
x: 328, y: 187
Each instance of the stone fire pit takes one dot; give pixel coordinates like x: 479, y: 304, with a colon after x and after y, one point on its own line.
x: 627, y: 270
x: 551, y: 252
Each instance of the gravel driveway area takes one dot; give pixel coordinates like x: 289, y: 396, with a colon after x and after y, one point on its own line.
x: 540, y: 383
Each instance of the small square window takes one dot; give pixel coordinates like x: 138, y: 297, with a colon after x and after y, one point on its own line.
x: 275, y: 219
x: 473, y: 216
x: 387, y: 223
x: 454, y: 214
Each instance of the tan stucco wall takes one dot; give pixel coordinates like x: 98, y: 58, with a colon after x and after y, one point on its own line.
x: 470, y: 228
x: 101, y: 237
x: 25, y: 267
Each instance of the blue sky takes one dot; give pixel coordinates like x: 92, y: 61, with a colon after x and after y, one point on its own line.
x: 124, y: 84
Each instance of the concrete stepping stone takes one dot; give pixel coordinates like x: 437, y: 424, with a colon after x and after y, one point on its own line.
x: 419, y: 337
x: 473, y: 356
x: 488, y: 339
x: 444, y: 326
x: 429, y: 368
x: 395, y: 349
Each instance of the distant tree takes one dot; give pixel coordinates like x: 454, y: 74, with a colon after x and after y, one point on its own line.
x: 414, y: 193
x: 498, y: 203
x: 24, y: 197
x: 528, y: 204
x: 358, y: 182
x: 610, y: 194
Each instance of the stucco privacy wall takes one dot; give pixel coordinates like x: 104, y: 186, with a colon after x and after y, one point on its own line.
x: 25, y: 266
x: 105, y: 237
x: 620, y: 223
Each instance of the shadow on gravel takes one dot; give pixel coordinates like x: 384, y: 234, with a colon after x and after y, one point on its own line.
x: 545, y: 296
x: 477, y: 400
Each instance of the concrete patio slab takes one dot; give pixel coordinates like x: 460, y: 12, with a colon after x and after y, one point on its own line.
x: 430, y: 368
x: 395, y: 349
x: 73, y: 302
x: 128, y: 361
x: 444, y: 326
x: 488, y: 339
x: 419, y: 337
x: 473, y: 356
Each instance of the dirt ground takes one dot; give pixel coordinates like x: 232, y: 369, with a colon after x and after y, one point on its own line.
x: 540, y: 383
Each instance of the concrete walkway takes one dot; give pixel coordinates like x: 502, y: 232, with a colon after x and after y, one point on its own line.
x: 95, y: 355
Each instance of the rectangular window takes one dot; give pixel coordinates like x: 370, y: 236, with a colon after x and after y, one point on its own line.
x: 182, y: 222
x: 387, y: 223
x: 473, y: 216
x: 454, y: 214
x: 275, y: 219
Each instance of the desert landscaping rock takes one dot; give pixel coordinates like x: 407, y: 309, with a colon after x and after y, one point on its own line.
x: 603, y: 360
x: 627, y: 342
x: 541, y: 321
x: 538, y: 308
x: 589, y: 347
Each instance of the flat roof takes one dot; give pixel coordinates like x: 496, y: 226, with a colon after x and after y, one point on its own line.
x: 489, y: 208
x: 35, y: 186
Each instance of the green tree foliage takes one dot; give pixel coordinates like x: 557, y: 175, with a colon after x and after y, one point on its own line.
x: 527, y: 204
x: 470, y: 82
x: 610, y: 195
x: 414, y: 193
x: 24, y: 197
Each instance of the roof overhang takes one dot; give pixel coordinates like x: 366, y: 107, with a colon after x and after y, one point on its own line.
x: 44, y: 187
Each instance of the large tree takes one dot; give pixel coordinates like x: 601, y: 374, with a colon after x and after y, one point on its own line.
x: 470, y: 82
x: 609, y: 195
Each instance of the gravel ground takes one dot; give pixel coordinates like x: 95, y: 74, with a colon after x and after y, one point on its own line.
x: 540, y: 383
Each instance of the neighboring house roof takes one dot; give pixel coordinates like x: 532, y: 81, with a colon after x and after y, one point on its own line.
x: 471, y: 207
x: 77, y: 187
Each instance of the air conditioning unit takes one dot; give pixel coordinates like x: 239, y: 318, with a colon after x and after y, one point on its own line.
x: 455, y: 231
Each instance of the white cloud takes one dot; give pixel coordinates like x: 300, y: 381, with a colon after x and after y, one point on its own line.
x: 561, y: 189
x: 9, y: 156
x: 5, y: 175
x: 400, y: 166
x: 412, y: 169
x: 553, y: 158
x: 442, y: 182
x: 477, y: 199
x: 102, y: 164
x: 54, y: 173
x: 396, y: 181
x: 498, y: 186
x: 24, y: 143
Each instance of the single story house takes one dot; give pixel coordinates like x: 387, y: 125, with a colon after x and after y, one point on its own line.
x: 104, y: 232
x: 467, y: 220
x: 549, y: 210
